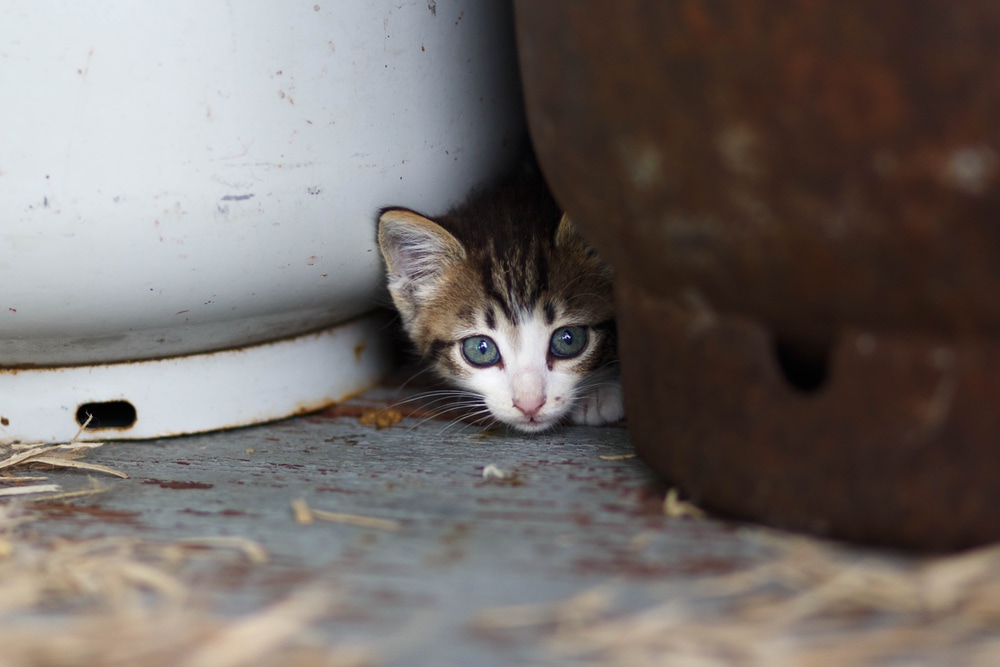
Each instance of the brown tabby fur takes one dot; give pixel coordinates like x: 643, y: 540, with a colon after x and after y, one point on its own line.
x: 506, y: 253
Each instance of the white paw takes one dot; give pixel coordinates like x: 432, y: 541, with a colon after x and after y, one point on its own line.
x: 604, y: 404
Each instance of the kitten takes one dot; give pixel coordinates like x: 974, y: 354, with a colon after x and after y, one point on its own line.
x: 506, y: 300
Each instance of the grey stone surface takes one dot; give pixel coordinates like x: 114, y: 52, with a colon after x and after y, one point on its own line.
x: 562, y: 521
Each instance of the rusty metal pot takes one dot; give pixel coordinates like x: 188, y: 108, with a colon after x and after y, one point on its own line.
x: 802, y: 203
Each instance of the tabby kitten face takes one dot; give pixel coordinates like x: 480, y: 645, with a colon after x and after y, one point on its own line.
x: 507, y: 301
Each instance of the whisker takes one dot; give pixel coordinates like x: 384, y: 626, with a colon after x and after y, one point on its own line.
x: 423, y: 371
x: 458, y: 402
x: 583, y: 391
x: 464, y: 425
x: 487, y: 420
x: 604, y: 380
x: 470, y: 418
x: 433, y: 397
x: 448, y: 410
x: 429, y: 399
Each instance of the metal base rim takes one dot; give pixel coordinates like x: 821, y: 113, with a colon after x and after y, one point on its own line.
x: 194, y: 393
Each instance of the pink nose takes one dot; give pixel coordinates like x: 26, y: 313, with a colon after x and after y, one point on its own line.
x: 529, y: 406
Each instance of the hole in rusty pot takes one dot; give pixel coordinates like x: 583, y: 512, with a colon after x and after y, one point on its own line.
x: 804, y: 362
x: 107, y: 414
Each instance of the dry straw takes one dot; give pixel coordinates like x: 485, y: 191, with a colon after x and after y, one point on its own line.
x: 304, y: 515
x: 18, y: 457
x: 128, y: 601
x: 812, y: 604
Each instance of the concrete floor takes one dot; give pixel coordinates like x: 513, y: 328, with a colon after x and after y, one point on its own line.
x: 562, y: 521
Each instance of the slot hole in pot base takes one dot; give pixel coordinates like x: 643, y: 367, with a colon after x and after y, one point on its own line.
x: 107, y: 414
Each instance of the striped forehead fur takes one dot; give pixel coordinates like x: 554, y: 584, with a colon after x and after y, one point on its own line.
x: 514, y: 259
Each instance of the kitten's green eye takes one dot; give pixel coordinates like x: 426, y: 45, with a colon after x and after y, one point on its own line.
x: 568, y: 342
x: 480, y: 351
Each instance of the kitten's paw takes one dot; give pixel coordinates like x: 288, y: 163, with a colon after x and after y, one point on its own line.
x: 602, y: 405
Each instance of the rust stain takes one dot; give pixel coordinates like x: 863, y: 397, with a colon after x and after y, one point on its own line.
x: 174, y: 484
x: 55, y: 509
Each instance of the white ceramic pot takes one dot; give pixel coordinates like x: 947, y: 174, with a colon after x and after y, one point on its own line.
x: 185, y: 177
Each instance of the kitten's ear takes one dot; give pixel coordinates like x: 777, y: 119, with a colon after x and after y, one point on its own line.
x: 567, y: 238
x: 566, y: 232
x: 417, y: 252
